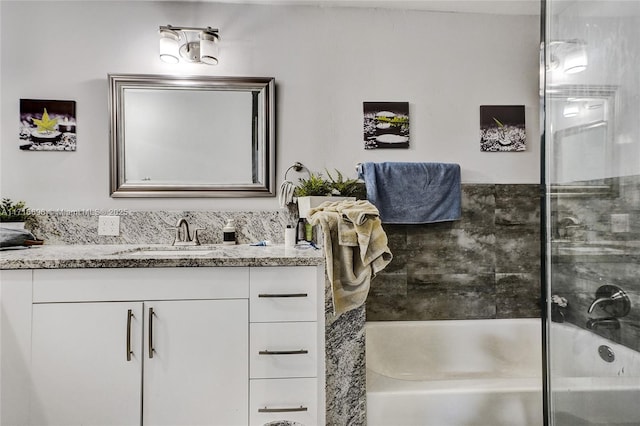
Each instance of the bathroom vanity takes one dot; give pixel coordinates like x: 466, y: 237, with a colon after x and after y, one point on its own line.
x: 126, y: 335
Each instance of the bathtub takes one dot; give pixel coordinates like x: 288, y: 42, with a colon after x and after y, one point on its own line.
x: 488, y: 373
x: 454, y: 373
x: 586, y: 390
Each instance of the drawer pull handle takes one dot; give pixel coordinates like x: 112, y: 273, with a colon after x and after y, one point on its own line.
x: 298, y: 352
x: 129, y: 351
x: 282, y: 410
x: 283, y: 295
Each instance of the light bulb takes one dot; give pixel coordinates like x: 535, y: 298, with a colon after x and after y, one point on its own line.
x: 208, y: 48
x: 169, y: 46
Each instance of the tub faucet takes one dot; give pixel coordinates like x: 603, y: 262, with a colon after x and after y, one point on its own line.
x: 618, y: 295
x: 183, y: 237
x: 608, y: 323
x: 597, y: 302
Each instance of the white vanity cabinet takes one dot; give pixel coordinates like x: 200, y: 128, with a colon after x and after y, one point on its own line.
x: 286, y: 346
x: 176, y: 354
x: 78, y: 367
x: 214, y: 345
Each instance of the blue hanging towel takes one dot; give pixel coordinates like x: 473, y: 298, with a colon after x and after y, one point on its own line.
x: 413, y: 193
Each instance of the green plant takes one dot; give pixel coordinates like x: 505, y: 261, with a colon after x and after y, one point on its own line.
x: 498, y: 122
x: 346, y: 188
x: 336, y: 185
x: 314, y: 185
x: 13, y: 212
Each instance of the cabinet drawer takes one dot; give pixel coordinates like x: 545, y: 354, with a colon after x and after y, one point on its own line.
x: 125, y: 284
x: 280, y: 350
x: 284, y: 293
x: 283, y: 399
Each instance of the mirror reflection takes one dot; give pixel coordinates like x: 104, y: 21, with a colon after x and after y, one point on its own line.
x: 582, y: 134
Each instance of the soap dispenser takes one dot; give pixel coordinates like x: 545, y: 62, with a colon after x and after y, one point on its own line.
x: 301, y: 230
x: 229, y: 232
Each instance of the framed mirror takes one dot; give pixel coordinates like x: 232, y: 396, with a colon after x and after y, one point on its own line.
x: 582, y: 139
x: 195, y: 136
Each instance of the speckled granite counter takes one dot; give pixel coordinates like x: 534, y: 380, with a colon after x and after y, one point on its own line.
x: 133, y: 256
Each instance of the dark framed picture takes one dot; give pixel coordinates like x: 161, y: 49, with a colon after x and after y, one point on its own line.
x: 47, y: 125
x: 502, y: 128
x: 386, y: 125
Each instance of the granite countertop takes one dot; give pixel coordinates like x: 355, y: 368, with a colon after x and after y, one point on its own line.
x: 147, y: 255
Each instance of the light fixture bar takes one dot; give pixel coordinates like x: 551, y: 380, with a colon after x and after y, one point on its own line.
x: 172, y: 28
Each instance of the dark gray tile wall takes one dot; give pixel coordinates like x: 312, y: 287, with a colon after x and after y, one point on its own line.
x: 486, y: 265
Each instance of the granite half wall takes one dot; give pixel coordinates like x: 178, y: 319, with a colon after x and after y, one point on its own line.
x: 486, y: 265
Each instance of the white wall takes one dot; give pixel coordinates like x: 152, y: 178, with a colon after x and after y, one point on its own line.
x: 326, y: 62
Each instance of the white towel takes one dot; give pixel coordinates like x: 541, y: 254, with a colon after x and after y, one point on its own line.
x: 350, y: 266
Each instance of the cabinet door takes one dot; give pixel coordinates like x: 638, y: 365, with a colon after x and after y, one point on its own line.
x: 86, y: 363
x: 196, y: 363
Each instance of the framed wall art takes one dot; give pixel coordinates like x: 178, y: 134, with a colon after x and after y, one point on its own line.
x: 47, y: 125
x: 386, y: 125
x: 502, y: 128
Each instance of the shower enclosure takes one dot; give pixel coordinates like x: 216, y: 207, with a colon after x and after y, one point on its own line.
x: 590, y: 82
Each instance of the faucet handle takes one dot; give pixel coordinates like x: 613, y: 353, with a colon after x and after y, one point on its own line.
x: 195, y: 238
x: 613, y: 300
x: 608, y: 323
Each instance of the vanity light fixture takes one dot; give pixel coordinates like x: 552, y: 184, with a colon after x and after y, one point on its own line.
x: 195, y: 45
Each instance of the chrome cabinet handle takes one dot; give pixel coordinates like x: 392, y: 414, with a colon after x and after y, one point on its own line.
x: 151, y: 349
x: 128, y: 345
x: 282, y: 410
x: 283, y: 295
x: 299, y: 352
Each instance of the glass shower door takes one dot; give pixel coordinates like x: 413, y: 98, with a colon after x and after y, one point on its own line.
x: 592, y: 178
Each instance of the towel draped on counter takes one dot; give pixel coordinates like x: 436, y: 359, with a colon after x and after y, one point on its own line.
x: 14, y: 237
x: 413, y: 193
x: 355, y: 248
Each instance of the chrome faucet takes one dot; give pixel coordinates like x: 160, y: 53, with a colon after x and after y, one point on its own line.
x: 612, y: 300
x: 618, y: 295
x: 183, y: 237
x: 597, y: 302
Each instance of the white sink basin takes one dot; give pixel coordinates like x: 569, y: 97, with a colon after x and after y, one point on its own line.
x: 174, y: 251
x: 181, y: 253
